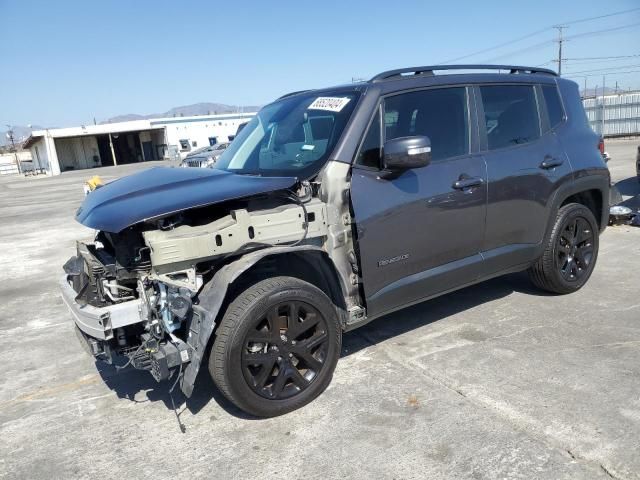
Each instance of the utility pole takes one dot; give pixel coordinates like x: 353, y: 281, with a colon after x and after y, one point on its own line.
x: 13, y: 147
x: 560, y: 41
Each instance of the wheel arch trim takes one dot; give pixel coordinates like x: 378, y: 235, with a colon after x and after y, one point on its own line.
x: 213, y: 294
x: 579, y: 185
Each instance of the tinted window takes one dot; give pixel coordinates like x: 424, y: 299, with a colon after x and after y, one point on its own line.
x: 370, y: 150
x: 440, y: 114
x: 554, y: 106
x: 511, y: 115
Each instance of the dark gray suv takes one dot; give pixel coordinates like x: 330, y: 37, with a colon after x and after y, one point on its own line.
x: 331, y: 208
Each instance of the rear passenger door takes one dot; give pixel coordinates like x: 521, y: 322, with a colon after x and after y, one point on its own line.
x: 419, y: 232
x: 525, y: 162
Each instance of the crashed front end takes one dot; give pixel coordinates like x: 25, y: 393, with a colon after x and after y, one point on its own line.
x: 134, y: 295
x: 123, y: 316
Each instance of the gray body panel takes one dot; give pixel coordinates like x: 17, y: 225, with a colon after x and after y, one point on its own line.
x: 420, y: 218
x: 442, y: 239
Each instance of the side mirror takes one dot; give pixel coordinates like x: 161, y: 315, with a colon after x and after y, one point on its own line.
x: 407, y: 152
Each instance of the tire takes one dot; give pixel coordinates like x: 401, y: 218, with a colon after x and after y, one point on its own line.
x: 258, y: 344
x: 570, y: 253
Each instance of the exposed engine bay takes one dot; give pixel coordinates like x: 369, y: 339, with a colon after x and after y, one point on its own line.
x: 133, y: 292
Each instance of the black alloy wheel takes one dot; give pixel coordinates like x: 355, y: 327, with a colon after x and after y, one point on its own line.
x: 575, y: 249
x: 277, y: 346
x: 570, y: 251
x: 285, y: 350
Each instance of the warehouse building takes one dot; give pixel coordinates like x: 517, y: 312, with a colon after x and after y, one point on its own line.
x: 58, y: 150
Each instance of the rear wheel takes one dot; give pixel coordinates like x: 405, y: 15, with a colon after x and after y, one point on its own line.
x: 277, y: 347
x: 570, y: 252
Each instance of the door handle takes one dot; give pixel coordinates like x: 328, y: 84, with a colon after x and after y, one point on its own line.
x: 465, y: 183
x: 550, y: 162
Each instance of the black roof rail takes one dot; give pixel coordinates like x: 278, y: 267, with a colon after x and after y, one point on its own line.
x: 291, y: 94
x: 430, y: 69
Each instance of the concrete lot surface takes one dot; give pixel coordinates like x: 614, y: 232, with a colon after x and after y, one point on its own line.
x: 494, y: 381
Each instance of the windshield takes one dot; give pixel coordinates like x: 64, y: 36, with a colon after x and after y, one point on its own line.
x: 290, y: 137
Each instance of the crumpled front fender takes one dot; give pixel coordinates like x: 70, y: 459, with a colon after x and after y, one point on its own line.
x: 210, y: 299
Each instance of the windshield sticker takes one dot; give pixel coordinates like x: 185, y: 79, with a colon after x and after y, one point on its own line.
x: 308, y: 147
x: 331, y: 104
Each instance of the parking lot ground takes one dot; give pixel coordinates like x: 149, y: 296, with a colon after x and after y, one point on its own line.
x: 494, y: 381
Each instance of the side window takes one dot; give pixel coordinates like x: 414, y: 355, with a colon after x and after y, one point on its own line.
x: 511, y: 115
x: 369, y: 154
x: 554, y: 106
x: 440, y: 114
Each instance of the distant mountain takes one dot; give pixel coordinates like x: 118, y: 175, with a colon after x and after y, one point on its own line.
x: 204, y: 108
x: 126, y: 118
x: 20, y: 133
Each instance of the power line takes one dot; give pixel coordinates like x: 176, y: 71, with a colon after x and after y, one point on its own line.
x: 594, y: 32
x: 525, y: 49
x: 495, y: 47
x: 598, y: 32
x: 620, y: 67
x: 600, y: 58
x: 601, y: 16
x: 571, y: 75
x: 519, y: 39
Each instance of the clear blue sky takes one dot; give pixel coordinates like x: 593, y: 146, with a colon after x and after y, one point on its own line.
x: 65, y: 62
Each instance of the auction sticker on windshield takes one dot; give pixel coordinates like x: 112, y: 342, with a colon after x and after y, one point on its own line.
x: 331, y: 104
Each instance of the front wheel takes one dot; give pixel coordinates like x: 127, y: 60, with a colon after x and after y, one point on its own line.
x: 570, y: 251
x: 276, y: 347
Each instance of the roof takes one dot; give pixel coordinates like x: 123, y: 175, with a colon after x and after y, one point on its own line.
x: 105, y: 128
x: 203, y: 118
x: 390, y: 80
x: 130, y: 126
x: 429, y: 70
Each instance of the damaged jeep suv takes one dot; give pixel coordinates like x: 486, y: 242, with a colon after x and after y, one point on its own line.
x: 330, y: 209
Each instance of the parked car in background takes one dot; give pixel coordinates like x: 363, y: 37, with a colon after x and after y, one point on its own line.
x: 198, y: 151
x: 206, y: 157
x: 330, y: 209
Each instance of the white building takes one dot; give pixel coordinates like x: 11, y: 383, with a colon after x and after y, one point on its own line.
x: 614, y: 115
x: 59, y: 149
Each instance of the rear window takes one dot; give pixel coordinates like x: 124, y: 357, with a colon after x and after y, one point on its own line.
x: 511, y: 115
x: 554, y: 105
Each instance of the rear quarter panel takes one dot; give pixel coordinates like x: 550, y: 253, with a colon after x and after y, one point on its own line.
x: 580, y: 144
x: 578, y: 140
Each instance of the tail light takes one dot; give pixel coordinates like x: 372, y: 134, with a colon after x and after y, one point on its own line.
x: 601, y: 146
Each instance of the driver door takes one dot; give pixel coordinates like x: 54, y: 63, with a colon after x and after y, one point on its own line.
x: 419, y: 231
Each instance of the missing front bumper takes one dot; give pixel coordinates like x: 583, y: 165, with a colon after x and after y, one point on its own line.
x: 99, y: 322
